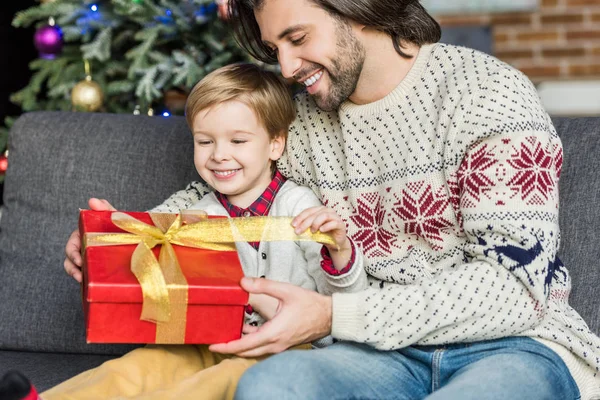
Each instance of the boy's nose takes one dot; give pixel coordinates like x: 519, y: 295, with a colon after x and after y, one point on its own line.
x: 220, y: 153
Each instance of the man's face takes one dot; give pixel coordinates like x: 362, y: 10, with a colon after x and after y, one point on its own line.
x: 313, y: 48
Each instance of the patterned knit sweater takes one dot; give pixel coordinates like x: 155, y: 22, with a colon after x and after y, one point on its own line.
x: 449, y: 185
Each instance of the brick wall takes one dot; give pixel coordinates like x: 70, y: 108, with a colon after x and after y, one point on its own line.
x: 559, y: 41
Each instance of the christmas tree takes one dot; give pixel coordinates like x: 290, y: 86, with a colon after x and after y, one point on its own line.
x: 123, y: 56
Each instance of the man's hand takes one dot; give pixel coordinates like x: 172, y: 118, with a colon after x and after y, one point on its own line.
x: 303, y: 316
x: 266, y: 306
x: 73, y: 261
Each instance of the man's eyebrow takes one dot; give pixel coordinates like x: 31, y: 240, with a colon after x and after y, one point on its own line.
x: 290, y: 30
x: 287, y: 31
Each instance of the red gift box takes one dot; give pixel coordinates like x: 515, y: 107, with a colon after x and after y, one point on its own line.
x: 112, y: 295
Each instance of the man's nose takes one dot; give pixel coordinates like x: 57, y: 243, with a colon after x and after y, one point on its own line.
x: 289, y: 62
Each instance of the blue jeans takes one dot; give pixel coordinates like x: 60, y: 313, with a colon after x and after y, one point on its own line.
x: 511, y: 368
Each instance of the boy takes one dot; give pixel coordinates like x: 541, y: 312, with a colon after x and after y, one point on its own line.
x: 239, y: 117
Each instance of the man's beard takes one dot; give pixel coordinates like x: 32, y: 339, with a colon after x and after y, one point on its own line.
x: 346, y: 69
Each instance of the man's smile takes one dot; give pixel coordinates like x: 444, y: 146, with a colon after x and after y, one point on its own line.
x: 311, y: 80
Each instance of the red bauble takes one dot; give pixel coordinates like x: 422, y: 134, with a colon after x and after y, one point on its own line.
x: 3, y: 164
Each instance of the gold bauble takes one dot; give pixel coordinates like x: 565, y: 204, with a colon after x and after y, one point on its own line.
x: 87, y: 95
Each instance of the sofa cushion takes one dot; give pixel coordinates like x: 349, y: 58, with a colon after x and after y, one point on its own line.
x: 57, y: 161
x: 580, y: 213
x: 46, y: 370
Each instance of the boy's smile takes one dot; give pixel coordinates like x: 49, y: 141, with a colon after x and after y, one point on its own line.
x: 225, y: 174
x: 233, y: 152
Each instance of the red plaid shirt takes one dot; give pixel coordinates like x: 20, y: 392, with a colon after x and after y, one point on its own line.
x: 260, y: 208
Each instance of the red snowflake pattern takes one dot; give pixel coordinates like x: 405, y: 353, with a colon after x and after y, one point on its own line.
x: 368, y: 219
x: 421, y: 210
x: 536, y: 175
x: 558, y: 159
x: 473, y: 175
x: 455, y: 198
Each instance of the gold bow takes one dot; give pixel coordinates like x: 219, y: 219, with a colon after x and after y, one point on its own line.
x: 164, y: 286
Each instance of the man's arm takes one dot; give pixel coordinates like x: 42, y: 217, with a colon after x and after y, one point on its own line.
x: 504, y: 186
x: 183, y: 199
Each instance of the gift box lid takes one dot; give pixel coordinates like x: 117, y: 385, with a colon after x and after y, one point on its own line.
x: 213, y: 276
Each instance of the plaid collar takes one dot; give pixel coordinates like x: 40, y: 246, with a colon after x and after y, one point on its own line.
x: 261, y: 206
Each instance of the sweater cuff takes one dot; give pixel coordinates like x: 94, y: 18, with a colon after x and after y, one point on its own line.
x: 355, y: 269
x: 345, y: 316
x: 327, y: 262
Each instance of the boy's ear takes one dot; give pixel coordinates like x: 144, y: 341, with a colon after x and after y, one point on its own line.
x: 277, y: 147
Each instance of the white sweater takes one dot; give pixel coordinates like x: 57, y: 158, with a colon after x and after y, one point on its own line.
x: 449, y: 185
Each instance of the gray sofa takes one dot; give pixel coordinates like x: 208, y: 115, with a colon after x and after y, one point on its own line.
x: 58, y: 160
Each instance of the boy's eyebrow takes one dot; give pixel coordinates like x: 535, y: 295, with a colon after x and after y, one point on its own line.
x: 287, y: 31
x: 235, y: 131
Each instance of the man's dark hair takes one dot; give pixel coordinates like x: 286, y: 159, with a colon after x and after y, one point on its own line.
x: 403, y: 20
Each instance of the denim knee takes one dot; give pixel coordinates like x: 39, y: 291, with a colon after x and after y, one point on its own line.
x: 279, y: 376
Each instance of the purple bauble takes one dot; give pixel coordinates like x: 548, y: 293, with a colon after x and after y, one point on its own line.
x: 48, y: 41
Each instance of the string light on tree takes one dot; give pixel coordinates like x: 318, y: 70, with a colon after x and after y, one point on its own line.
x: 87, y: 95
x: 48, y: 40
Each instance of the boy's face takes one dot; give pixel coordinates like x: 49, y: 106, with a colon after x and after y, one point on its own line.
x: 313, y: 48
x: 233, y: 152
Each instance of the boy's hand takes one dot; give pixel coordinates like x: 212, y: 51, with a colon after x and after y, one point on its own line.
x: 324, y: 219
x: 73, y: 261
x: 263, y: 304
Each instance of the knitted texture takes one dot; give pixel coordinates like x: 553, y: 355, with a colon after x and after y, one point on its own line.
x: 449, y: 185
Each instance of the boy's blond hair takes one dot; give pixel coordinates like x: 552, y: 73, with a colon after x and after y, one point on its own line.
x: 266, y: 95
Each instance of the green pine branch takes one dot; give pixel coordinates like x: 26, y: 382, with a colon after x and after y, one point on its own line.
x: 99, y: 48
x: 137, y: 50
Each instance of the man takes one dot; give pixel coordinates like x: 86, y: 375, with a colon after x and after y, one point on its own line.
x: 445, y: 167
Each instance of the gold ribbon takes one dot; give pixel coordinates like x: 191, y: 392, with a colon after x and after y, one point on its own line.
x: 164, y: 286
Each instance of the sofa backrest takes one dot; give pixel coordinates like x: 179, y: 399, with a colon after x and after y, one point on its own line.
x: 59, y: 159
x: 580, y: 213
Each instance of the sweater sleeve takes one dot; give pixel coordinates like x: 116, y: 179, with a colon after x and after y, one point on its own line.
x: 353, y: 280
x: 503, y: 163
x: 183, y: 199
